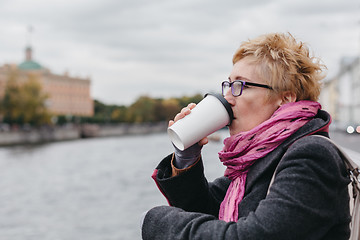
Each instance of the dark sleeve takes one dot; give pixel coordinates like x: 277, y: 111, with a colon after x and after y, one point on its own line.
x: 190, y: 190
x: 306, y: 201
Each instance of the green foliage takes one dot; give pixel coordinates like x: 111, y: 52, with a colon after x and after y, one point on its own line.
x: 184, y: 101
x: 24, y: 102
x: 144, y: 109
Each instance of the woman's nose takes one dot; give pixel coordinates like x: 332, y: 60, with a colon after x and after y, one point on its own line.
x: 229, y: 97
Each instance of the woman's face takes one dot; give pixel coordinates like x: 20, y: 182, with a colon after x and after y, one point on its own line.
x: 253, y: 106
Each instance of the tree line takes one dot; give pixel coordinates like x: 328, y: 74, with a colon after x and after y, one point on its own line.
x: 26, y: 104
x: 144, y: 109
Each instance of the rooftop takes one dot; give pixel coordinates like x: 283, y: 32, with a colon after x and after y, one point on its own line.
x: 29, y: 65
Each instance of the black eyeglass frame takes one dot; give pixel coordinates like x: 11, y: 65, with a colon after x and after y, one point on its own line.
x: 243, y: 83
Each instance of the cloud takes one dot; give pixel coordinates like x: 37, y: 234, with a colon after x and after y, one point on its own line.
x: 165, y: 48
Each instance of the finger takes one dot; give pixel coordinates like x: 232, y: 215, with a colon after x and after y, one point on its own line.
x: 178, y: 116
x: 171, y: 122
x: 185, y: 110
x: 203, y: 141
x: 191, y: 105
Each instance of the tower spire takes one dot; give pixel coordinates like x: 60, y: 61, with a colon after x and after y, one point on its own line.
x: 28, y: 50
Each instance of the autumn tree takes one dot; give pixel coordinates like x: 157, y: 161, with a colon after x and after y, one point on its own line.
x: 24, y: 102
x: 147, y: 109
x: 34, y: 102
x: 185, y: 100
x: 10, y: 104
x: 142, y: 110
x: 168, y: 109
x: 118, y: 114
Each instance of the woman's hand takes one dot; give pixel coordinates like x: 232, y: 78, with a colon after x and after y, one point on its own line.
x: 186, y: 111
x: 184, y: 159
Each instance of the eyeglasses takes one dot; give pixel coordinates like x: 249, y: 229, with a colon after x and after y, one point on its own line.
x: 237, y: 87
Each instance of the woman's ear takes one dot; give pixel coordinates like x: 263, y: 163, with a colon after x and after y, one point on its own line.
x: 288, y: 97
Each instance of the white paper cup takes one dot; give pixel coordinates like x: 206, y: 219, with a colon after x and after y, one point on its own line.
x: 210, y: 114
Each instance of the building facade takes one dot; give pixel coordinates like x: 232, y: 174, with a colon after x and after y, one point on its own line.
x: 67, y: 95
x: 341, y: 94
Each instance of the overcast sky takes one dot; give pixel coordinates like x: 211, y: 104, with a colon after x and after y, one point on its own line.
x: 164, y: 48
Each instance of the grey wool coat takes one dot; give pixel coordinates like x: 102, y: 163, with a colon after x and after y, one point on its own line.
x: 308, y: 199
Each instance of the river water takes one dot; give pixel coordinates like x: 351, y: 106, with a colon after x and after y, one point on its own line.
x: 84, y: 189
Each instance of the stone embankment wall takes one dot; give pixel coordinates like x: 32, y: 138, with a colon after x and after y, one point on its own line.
x: 52, y: 134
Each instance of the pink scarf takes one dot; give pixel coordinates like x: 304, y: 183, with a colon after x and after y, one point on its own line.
x: 243, y: 149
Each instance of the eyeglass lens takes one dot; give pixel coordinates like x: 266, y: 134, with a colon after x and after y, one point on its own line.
x: 236, y: 88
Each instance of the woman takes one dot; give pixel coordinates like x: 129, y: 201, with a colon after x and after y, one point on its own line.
x: 273, y: 89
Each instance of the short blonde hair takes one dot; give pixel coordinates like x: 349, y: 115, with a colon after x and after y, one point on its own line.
x: 284, y: 64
